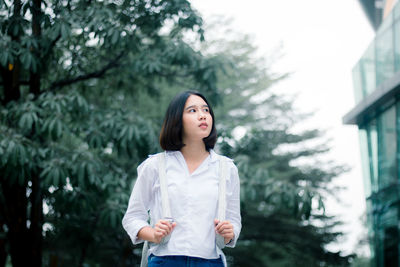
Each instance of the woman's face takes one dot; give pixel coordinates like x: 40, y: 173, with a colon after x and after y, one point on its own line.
x: 197, y: 120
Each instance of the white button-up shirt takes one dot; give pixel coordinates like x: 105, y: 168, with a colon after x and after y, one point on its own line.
x: 193, y: 200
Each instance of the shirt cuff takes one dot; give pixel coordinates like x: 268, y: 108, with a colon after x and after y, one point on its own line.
x: 134, y: 230
x: 232, y: 243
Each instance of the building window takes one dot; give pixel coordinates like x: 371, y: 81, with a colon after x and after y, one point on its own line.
x: 363, y: 137
x: 384, y: 56
x: 397, y: 45
x: 373, y: 154
x: 387, y: 146
x: 368, y: 71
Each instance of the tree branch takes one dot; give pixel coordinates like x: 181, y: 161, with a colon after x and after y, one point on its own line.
x: 95, y: 74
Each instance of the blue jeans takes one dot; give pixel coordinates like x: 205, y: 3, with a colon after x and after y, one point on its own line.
x: 183, y: 261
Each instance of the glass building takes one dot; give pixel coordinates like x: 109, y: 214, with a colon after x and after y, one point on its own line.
x: 376, y: 78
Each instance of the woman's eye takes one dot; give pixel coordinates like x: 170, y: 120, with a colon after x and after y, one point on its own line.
x: 206, y: 110
x: 192, y: 110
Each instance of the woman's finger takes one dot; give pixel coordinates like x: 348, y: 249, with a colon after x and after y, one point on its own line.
x: 173, y: 225
x: 226, y: 232
x: 224, y: 225
x: 161, y: 232
x: 164, y: 225
x: 167, y: 223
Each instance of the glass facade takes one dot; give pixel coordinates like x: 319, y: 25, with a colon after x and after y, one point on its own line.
x: 387, y: 148
x: 379, y: 135
x: 379, y: 143
x: 381, y: 61
x: 384, y: 52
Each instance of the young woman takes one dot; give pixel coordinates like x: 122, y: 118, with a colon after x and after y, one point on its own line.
x: 188, y: 136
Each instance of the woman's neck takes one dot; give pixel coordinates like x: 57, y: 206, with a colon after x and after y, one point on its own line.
x: 194, y: 150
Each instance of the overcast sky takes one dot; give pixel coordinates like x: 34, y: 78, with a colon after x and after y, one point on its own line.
x: 321, y: 41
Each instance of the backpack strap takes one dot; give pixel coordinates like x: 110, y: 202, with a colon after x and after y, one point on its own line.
x: 222, y: 189
x: 221, y: 198
x: 145, y: 252
x: 166, y: 210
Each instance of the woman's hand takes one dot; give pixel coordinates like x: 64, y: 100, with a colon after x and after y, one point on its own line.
x: 161, y: 229
x: 225, y: 229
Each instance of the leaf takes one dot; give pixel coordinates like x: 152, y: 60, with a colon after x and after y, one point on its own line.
x: 26, y: 121
x: 34, y: 64
x: 4, y: 58
x: 123, y: 132
x: 51, y: 126
x: 26, y: 59
x: 115, y: 37
x: 90, y: 173
x: 22, y: 154
x: 42, y: 152
x: 81, y: 174
x: 55, y: 30
x: 10, y: 149
x: 65, y: 30
x: 59, y: 129
x: 130, y: 132
x: 55, y: 176
x: 45, y: 171
x: 48, y: 180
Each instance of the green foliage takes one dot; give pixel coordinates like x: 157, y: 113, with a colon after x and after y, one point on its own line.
x: 70, y: 131
x: 83, y: 156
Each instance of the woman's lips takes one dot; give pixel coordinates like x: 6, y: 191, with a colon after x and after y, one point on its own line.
x: 203, y: 125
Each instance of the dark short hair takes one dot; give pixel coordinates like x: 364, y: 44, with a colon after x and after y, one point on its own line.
x: 172, y: 128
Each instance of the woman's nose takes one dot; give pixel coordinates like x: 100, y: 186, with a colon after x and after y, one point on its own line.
x: 202, y: 115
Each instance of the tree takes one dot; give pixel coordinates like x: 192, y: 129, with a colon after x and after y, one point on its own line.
x: 65, y: 138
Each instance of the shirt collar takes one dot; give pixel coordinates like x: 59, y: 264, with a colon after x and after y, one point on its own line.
x: 213, y: 156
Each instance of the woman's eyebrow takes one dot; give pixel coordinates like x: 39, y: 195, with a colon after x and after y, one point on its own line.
x: 195, y: 106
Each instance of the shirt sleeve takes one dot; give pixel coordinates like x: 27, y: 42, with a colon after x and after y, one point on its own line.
x: 233, y: 203
x: 136, y: 216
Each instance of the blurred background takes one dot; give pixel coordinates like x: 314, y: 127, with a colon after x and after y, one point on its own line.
x: 305, y: 95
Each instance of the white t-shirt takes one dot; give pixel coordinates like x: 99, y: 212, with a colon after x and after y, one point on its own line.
x: 193, y: 201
